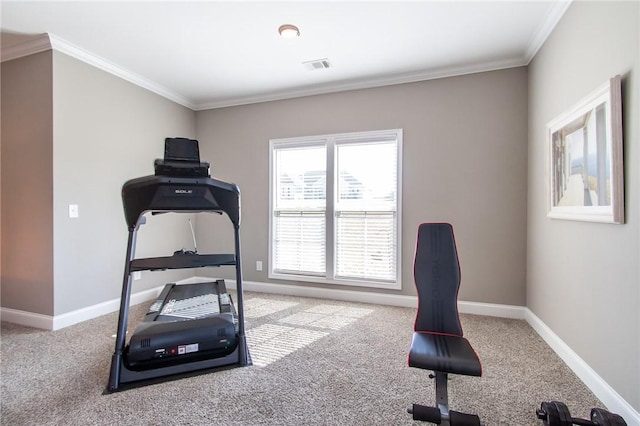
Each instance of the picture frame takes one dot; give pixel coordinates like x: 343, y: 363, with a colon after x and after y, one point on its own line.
x: 585, y: 163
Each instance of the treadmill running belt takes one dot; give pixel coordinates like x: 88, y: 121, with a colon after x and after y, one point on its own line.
x: 193, y: 307
x: 190, y: 301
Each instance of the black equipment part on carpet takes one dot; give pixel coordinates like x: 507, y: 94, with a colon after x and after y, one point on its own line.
x: 187, y: 322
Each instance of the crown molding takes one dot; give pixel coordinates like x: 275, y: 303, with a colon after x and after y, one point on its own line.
x: 76, y: 52
x: 553, y: 17
x: 367, y: 83
x: 50, y: 41
x: 35, y: 45
x: 53, y: 42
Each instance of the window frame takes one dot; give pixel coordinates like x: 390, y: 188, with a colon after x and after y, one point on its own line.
x: 330, y: 141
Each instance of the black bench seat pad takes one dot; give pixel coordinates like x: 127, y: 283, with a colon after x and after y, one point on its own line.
x: 444, y: 353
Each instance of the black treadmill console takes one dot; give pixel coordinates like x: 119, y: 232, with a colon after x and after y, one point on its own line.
x: 181, y: 159
x: 181, y: 183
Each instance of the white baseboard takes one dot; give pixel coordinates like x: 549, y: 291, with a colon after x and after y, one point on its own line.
x: 600, y: 388
x: 28, y: 319
x: 492, y: 310
x: 488, y: 309
x: 57, y: 322
x: 90, y: 312
x: 327, y: 293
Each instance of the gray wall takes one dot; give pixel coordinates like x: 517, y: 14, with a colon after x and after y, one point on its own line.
x: 27, y: 186
x: 465, y: 149
x: 106, y: 131
x: 583, y: 278
x: 73, y: 134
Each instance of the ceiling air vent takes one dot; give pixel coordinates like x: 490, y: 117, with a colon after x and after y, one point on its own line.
x: 317, y: 64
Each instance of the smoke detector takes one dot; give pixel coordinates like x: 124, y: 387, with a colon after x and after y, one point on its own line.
x: 317, y: 64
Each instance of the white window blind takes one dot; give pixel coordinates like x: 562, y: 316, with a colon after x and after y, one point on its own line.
x: 299, y: 216
x: 365, y: 210
x: 300, y: 242
x: 335, y: 208
x: 365, y: 245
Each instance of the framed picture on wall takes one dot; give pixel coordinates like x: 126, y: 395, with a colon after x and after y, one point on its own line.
x: 586, y: 173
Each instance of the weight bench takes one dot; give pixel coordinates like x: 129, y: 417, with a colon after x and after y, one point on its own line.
x: 437, y: 343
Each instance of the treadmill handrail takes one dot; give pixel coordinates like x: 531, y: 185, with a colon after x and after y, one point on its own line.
x: 183, y: 260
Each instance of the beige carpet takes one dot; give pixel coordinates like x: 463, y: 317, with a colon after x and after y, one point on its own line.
x: 316, y: 362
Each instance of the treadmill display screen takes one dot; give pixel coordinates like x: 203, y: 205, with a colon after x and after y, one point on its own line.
x: 181, y: 149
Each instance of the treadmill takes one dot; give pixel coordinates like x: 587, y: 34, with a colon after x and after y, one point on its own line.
x: 189, y: 327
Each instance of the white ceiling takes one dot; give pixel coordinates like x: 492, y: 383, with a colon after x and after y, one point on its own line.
x: 208, y: 54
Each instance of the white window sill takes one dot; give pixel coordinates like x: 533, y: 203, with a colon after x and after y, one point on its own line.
x: 343, y: 282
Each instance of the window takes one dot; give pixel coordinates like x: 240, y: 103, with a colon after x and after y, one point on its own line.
x: 335, y: 208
